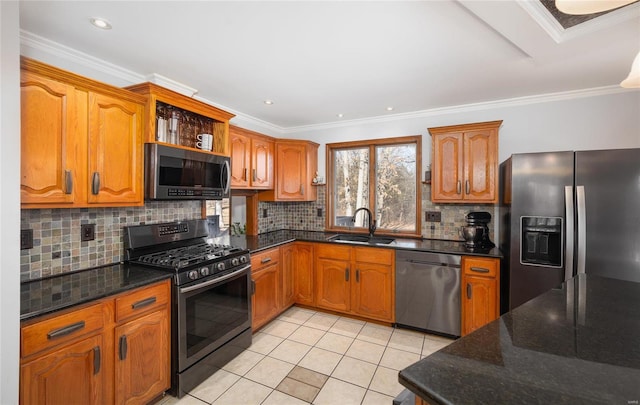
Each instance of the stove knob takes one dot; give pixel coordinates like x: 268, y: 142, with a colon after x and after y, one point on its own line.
x: 220, y: 266
x: 243, y: 259
x: 204, y: 271
x: 235, y: 261
x: 193, y: 274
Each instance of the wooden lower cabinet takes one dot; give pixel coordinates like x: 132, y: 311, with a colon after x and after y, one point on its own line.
x: 303, y: 273
x: 141, y: 363
x: 480, y: 292
x: 85, y: 356
x: 267, y: 279
x: 288, y: 256
x: 73, y: 374
x: 356, y: 280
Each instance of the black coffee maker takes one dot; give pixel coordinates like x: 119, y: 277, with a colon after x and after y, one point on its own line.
x: 476, y: 232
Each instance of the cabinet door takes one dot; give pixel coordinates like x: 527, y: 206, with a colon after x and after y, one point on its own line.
x: 240, y: 160
x: 481, y: 165
x: 265, y: 304
x: 288, y: 265
x: 446, y: 183
x: 71, y: 375
x: 303, y: 273
x: 262, y: 163
x: 53, y: 141
x: 372, y: 291
x: 333, y: 284
x: 480, y: 302
x: 115, y: 151
x: 291, y: 172
x: 142, y: 358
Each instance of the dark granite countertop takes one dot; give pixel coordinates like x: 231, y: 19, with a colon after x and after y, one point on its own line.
x: 576, y: 345
x: 272, y: 239
x: 40, y: 297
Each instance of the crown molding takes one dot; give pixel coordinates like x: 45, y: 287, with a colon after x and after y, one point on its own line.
x: 560, y: 34
x: 31, y: 41
x: 504, y: 103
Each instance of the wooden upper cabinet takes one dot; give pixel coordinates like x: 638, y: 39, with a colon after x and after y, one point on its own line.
x: 296, y: 165
x: 465, y: 163
x: 252, y: 156
x: 201, y: 118
x: 115, y: 129
x: 81, y: 141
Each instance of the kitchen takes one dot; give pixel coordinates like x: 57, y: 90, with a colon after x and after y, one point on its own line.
x: 595, y: 121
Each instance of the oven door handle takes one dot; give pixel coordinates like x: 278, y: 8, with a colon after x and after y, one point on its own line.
x: 214, y: 281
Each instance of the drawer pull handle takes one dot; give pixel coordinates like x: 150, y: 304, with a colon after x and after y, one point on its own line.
x: 479, y: 269
x: 468, y: 291
x: 67, y: 330
x: 97, y: 360
x: 265, y: 260
x: 123, y: 347
x: 143, y: 303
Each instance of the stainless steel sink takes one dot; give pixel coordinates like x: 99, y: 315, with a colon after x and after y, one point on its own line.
x: 351, y: 238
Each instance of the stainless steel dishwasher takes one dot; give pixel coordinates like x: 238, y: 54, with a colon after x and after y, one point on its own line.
x: 428, y: 291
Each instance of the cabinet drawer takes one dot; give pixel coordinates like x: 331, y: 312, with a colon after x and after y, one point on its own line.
x: 263, y: 259
x: 475, y: 266
x: 333, y: 251
x: 374, y: 255
x: 142, y: 301
x: 61, y: 329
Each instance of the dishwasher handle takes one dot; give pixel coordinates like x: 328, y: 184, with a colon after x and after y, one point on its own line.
x: 432, y: 263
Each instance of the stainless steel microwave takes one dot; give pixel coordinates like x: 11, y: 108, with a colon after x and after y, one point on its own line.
x: 181, y: 174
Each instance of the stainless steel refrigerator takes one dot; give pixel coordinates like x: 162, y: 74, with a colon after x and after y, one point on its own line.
x: 564, y: 213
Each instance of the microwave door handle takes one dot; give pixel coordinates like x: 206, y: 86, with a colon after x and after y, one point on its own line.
x: 227, y: 181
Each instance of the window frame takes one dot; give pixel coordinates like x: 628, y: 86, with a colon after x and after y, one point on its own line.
x: 371, y: 144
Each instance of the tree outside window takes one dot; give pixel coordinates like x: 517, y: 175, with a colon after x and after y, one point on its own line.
x: 381, y: 175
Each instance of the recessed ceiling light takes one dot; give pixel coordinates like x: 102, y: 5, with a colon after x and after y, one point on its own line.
x: 389, y: 108
x: 100, y: 23
x: 340, y: 115
x: 268, y: 102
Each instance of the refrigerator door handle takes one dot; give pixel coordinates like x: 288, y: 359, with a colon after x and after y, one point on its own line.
x: 582, y: 229
x: 568, y: 231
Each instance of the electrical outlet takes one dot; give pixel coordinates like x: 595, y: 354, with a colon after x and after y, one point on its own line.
x: 26, y: 239
x: 319, y: 212
x: 87, y: 232
x: 433, y: 216
x: 264, y: 213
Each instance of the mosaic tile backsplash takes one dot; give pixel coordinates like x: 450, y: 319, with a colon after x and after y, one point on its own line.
x: 56, y: 235
x: 303, y: 216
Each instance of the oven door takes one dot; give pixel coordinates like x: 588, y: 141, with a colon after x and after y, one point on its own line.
x: 210, y: 313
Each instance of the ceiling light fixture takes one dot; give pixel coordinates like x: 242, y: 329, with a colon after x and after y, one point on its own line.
x: 340, y: 115
x: 100, y: 23
x: 583, y: 7
x: 389, y: 108
x: 268, y: 102
x: 633, y: 80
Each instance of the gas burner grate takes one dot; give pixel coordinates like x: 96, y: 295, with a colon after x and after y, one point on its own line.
x: 185, y: 256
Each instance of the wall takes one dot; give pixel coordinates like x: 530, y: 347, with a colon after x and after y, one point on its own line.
x: 56, y: 234
x: 10, y: 201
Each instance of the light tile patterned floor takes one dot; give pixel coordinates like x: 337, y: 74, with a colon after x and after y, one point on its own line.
x: 305, y: 357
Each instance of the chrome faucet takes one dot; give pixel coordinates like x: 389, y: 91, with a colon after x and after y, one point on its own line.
x: 372, y: 222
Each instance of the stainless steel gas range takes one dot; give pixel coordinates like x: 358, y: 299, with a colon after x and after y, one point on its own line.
x: 211, y: 298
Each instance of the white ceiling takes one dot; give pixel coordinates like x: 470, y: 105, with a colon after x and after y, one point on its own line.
x: 318, y: 59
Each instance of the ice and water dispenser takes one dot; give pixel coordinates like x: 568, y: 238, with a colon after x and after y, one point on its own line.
x: 541, y: 241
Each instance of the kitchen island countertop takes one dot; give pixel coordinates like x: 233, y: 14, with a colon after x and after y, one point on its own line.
x: 268, y: 240
x: 576, y: 344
